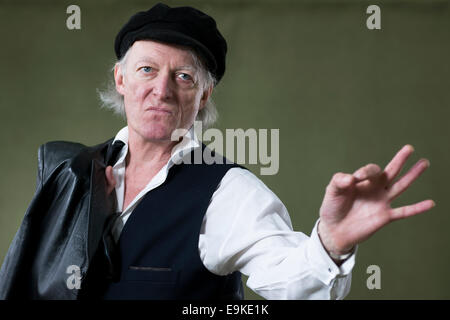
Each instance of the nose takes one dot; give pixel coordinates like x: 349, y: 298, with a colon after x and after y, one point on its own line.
x: 162, y: 86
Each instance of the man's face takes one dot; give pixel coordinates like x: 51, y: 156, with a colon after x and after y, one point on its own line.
x: 161, y: 89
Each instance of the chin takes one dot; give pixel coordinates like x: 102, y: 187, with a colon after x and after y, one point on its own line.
x: 157, y: 132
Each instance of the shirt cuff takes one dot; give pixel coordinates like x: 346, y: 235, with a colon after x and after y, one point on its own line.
x: 324, y: 267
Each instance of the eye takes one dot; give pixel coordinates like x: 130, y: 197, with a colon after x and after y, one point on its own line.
x: 185, y: 76
x: 146, y: 69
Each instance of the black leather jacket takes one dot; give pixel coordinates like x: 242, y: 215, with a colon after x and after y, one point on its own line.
x: 63, y: 225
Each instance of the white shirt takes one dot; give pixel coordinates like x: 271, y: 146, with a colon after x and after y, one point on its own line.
x: 247, y: 228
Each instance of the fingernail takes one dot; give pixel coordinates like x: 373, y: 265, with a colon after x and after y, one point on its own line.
x: 427, y: 163
x: 411, y: 147
x: 348, y: 179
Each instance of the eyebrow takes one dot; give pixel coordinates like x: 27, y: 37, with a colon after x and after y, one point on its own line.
x: 150, y: 60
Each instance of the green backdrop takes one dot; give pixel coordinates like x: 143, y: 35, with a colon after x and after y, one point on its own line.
x: 341, y: 95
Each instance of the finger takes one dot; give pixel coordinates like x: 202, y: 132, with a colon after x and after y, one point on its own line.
x: 341, y: 182
x: 411, y: 210
x: 395, y: 166
x: 404, y: 182
x: 369, y: 171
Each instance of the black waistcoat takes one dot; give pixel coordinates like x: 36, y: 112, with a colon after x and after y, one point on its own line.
x: 158, y: 247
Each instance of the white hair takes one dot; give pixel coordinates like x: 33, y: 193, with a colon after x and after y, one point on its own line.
x: 111, y: 99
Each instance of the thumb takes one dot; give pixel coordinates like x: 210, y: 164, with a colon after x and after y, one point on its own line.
x: 340, y: 183
x: 110, y: 181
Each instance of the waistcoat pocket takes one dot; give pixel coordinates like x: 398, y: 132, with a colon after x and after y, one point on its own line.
x: 151, y: 274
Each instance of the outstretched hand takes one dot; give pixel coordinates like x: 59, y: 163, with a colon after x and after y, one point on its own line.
x: 357, y: 205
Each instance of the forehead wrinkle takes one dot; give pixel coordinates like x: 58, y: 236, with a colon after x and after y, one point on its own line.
x: 147, y: 59
x: 186, y: 67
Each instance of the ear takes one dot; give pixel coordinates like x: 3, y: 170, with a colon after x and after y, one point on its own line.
x: 119, y: 78
x: 205, y: 96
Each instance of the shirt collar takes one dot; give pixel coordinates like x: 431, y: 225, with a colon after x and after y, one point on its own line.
x: 189, y: 142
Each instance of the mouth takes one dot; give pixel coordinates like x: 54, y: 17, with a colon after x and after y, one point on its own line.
x: 159, y: 110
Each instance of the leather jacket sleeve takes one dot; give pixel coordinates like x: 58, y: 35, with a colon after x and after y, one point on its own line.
x: 63, y: 224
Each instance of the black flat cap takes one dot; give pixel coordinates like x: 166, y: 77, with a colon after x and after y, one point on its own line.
x: 184, y: 26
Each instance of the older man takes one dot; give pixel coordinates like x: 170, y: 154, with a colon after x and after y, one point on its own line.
x: 184, y: 231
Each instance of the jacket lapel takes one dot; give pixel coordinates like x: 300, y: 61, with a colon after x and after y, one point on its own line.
x: 101, y: 205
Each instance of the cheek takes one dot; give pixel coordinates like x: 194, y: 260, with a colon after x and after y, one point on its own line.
x: 191, y: 102
x: 134, y: 89
x: 137, y: 92
x: 188, y: 111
